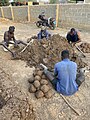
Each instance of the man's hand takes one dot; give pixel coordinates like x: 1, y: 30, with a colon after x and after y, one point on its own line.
x: 16, y: 44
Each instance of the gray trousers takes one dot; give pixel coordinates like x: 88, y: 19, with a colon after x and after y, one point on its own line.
x: 80, y: 78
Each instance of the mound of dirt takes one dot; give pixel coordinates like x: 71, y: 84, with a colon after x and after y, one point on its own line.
x: 85, y: 47
x: 48, y: 52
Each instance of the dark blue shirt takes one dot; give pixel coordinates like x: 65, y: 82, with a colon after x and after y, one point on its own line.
x: 72, y: 38
x: 66, y: 71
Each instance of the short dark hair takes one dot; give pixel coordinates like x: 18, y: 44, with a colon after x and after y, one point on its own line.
x: 65, y: 53
x: 11, y: 28
x: 72, y: 29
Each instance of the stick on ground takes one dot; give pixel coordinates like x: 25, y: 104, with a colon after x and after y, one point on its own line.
x: 70, y: 105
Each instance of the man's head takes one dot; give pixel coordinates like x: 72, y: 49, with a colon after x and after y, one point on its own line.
x: 11, y: 29
x: 65, y: 54
x: 72, y: 31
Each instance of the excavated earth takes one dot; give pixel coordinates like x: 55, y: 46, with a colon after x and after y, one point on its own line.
x: 85, y: 47
x: 48, y: 52
x: 14, y: 105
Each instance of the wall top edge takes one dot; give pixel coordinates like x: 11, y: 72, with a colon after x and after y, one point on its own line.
x: 53, y: 4
x: 47, y: 5
x: 75, y: 4
x: 12, y: 6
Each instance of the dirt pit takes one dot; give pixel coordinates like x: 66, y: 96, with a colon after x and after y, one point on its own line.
x: 48, y: 52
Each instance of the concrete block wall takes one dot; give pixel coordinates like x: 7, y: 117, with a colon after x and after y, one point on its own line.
x: 67, y: 15
x: 20, y: 13
x: 75, y: 15
x: 50, y: 11
x: 7, y: 12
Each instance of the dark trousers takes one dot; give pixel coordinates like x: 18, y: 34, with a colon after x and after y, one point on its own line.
x: 80, y: 78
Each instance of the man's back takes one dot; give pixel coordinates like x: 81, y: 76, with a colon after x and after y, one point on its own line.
x: 66, y: 71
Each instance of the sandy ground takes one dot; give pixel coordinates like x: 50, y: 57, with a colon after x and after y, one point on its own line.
x: 54, y: 108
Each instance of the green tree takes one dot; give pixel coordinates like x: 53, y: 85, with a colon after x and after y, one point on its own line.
x: 52, y: 1
x: 4, y: 2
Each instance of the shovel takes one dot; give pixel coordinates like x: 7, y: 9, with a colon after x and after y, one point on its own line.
x: 80, y: 50
x: 27, y: 45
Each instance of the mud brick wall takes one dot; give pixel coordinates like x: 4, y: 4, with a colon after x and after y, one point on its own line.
x: 50, y: 11
x: 0, y: 13
x: 7, y: 12
x: 20, y: 13
x: 77, y: 15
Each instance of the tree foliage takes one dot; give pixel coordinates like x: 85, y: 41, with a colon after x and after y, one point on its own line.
x: 4, y: 2
x: 52, y: 1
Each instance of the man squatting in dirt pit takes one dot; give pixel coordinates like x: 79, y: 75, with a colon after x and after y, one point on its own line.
x: 65, y: 80
x: 43, y: 33
x: 73, y: 36
x: 10, y: 39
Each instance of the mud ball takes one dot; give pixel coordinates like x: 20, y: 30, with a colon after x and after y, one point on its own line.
x: 49, y: 94
x: 35, y: 73
x: 37, y: 77
x: 44, y: 88
x: 39, y: 94
x: 36, y: 83
x: 43, y: 76
x: 39, y: 73
x: 32, y: 89
x: 31, y: 80
x: 44, y: 82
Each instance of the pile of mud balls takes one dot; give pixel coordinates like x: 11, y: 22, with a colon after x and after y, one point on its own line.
x: 40, y: 85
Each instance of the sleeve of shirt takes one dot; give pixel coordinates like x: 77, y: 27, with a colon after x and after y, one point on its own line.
x: 55, y: 71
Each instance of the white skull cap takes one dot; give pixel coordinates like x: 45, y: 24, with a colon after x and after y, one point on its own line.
x: 43, y: 28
